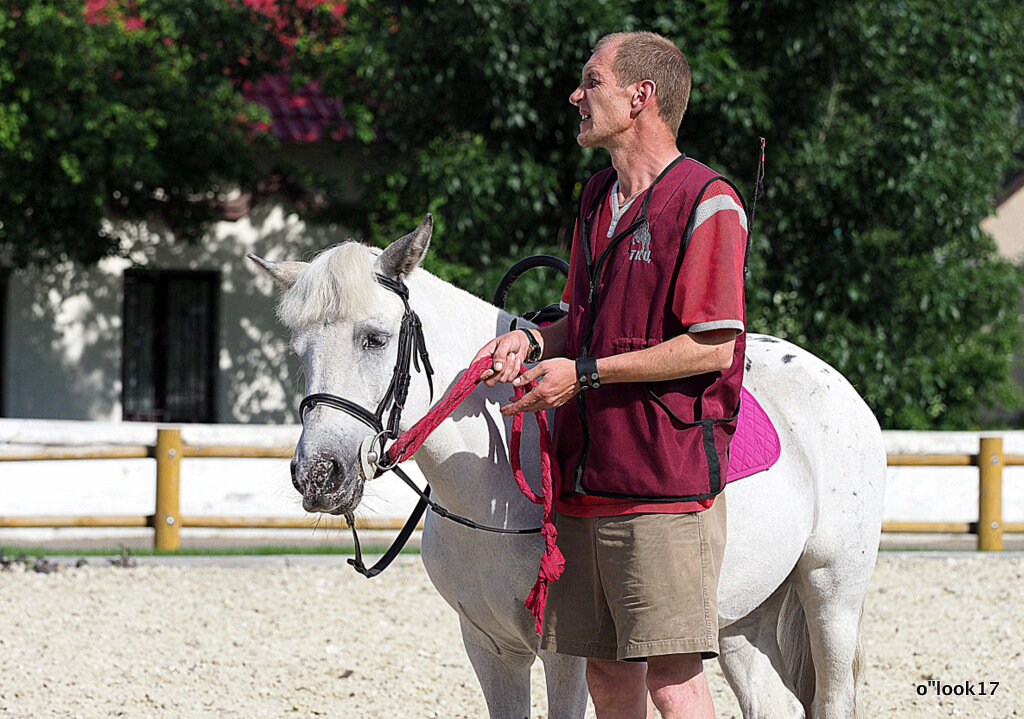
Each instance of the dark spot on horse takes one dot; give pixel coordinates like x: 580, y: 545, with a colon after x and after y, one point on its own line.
x: 786, y: 359
x: 748, y: 364
x: 765, y: 339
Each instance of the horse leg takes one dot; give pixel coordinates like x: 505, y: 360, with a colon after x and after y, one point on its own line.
x: 504, y: 675
x: 752, y: 663
x: 833, y: 601
x: 567, y: 685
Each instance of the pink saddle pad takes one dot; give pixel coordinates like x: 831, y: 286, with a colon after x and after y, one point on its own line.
x: 755, y: 447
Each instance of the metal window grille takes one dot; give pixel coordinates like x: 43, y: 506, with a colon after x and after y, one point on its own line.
x: 170, y: 340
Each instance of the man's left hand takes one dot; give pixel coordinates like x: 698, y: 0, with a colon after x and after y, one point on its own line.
x: 556, y: 385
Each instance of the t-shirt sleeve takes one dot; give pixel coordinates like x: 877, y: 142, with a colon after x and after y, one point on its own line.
x: 709, y: 290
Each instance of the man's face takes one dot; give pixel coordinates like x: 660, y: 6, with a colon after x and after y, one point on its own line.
x: 603, y: 105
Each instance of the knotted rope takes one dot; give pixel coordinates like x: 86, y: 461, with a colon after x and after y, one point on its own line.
x: 551, y: 562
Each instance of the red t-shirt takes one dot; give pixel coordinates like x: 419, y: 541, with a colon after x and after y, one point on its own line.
x: 708, y: 296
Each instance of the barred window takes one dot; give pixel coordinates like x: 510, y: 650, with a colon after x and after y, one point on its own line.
x: 169, y: 350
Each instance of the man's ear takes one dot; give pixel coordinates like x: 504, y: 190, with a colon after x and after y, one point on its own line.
x: 643, y: 95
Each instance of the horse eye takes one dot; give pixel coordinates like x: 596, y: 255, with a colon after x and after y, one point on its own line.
x: 374, y: 341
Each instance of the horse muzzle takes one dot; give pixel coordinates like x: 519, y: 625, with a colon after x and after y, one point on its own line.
x: 327, y: 483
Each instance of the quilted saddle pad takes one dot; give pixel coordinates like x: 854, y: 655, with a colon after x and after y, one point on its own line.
x: 755, y: 447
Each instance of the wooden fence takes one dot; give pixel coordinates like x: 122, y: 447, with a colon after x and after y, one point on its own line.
x: 170, y: 450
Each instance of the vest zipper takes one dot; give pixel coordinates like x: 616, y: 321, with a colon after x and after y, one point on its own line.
x: 594, y: 277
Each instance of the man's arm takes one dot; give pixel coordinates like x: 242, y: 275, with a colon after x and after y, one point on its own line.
x: 683, y: 356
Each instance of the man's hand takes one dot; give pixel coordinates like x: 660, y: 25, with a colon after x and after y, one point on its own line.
x: 556, y: 385
x: 507, y: 351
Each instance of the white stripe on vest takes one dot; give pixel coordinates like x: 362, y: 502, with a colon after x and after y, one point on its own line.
x: 718, y: 203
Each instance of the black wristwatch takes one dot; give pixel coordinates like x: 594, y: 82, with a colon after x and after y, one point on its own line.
x: 534, y: 353
x: 586, y: 373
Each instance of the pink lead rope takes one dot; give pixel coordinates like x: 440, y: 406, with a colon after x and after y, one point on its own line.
x: 551, y: 562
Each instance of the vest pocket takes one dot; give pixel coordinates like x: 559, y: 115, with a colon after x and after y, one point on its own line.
x: 686, y: 414
x: 632, y: 344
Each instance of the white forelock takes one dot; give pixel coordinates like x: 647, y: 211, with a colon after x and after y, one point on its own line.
x: 338, y: 283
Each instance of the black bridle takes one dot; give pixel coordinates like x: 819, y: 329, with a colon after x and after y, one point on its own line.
x: 412, y: 351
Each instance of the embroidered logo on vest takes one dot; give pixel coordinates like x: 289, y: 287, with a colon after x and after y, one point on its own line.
x: 640, y: 250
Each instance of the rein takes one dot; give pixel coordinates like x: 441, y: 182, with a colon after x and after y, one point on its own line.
x: 412, y: 349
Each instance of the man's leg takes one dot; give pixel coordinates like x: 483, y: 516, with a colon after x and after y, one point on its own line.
x: 618, y: 689
x: 679, y: 687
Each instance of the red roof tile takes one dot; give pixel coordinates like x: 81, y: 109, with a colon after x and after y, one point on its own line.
x: 307, y: 115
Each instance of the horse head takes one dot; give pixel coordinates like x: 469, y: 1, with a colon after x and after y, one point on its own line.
x: 345, y: 328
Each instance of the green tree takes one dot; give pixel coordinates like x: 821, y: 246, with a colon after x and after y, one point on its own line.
x: 889, y: 126
x: 130, y: 110
x: 893, y: 125
x: 464, y: 108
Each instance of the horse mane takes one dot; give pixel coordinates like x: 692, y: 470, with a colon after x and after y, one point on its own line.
x: 339, y: 282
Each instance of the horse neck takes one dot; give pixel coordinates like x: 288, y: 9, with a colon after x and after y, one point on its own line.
x: 455, y: 325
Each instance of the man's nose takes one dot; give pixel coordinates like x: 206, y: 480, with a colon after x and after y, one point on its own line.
x: 576, y: 97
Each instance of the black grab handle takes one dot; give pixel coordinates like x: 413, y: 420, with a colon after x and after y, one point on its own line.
x: 546, y: 314
x: 528, y: 263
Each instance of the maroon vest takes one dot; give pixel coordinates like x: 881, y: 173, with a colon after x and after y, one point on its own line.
x: 661, y: 441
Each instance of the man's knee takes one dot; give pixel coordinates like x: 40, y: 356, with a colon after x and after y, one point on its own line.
x: 668, y: 675
x: 614, y: 679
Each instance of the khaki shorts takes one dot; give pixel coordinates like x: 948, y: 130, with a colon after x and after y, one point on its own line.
x: 637, y: 585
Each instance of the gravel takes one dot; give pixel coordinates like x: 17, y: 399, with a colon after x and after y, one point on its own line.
x: 284, y: 639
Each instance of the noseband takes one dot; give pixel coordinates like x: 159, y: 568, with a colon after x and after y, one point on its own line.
x: 412, y: 349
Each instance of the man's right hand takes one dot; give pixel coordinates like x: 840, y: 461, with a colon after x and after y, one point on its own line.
x: 507, y: 351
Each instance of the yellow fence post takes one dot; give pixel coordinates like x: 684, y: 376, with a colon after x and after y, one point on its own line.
x: 166, y: 521
x: 990, y: 494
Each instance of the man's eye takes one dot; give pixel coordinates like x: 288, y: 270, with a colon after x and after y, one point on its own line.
x: 374, y: 341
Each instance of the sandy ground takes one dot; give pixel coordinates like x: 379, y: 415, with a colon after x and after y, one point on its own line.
x: 314, y: 640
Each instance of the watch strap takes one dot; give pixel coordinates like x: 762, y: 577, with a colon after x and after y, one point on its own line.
x: 536, y: 351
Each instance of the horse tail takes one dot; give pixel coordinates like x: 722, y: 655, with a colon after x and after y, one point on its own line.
x: 858, y: 663
x: 795, y: 645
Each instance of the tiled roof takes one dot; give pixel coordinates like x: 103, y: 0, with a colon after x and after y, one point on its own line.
x: 306, y: 115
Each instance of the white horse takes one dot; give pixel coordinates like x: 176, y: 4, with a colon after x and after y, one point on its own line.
x: 803, y: 535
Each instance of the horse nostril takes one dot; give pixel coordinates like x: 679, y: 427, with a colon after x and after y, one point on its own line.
x: 295, y: 474
x: 332, y: 483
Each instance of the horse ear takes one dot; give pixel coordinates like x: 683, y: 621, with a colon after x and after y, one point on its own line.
x: 404, y: 255
x: 284, y: 273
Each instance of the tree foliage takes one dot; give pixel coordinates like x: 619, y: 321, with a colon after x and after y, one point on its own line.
x: 465, y: 110
x: 135, y: 110
x: 893, y: 126
x: 890, y: 127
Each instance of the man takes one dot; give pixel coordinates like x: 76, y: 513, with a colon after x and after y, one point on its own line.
x: 652, y: 352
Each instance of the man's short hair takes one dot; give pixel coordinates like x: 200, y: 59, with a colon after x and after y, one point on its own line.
x: 648, y: 56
